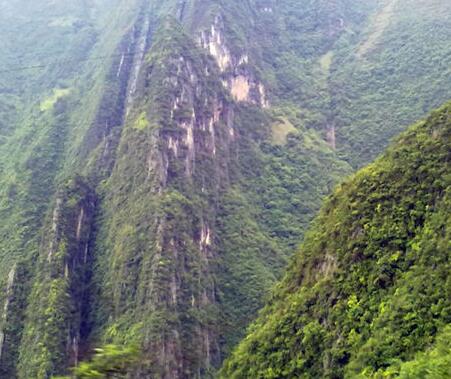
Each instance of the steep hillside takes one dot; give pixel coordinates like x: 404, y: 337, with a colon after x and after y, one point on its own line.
x: 397, y: 72
x: 52, y: 54
x: 369, y: 288
x: 161, y: 160
x: 140, y: 154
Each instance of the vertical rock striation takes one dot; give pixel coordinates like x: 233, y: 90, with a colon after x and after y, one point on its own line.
x: 7, y: 300
x: 52, y: 338
x: 160, y: 257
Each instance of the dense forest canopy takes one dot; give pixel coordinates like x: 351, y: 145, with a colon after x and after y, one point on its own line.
x: 161, y: 161
x: 367, y: 295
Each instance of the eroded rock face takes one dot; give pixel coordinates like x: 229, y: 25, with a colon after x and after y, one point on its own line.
x: 201, y: 123
x: 14, y: 296
x: 181, y: 140
x: 59, y: 289
x: 331, y: 136
x: 201, y: 134
x: 238, y: 76
x: 7, y: 297
x: 213, y: 41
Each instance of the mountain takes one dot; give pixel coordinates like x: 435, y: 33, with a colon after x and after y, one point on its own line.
x: 161, y: 161
x: 367, y: 295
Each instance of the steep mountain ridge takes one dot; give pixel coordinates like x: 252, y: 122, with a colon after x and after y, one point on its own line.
x: 198, y: 138
x: 369, y: 288
x: 179, y: 139
x: 28, y: 180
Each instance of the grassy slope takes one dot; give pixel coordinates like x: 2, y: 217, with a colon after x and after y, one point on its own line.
x: 369, y: 287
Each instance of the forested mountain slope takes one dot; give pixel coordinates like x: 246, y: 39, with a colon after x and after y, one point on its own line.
x: 369, y: 288
x: 161, y: 160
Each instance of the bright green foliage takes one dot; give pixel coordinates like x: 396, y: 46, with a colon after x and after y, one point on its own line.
x: 108, y: 362
x: 261, y: 218
x: 432, y: 364
x: 142, y: 122
x: 370, y: 285
x: 34, y: 142
x: 280, y: 131
x: 50, y: 102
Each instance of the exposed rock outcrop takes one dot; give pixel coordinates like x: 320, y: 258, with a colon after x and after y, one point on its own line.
x: 238, y: 76
x: 7, y: 300
x: 56, y: 315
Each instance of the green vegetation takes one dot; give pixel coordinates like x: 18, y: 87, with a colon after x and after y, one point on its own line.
x: 191, y: 203
x: 50, y: 102
x: 153, y: 254
x: 55, y: 307
x: 376, y: 94
x: 274, y: 194
x: 432, y: 364
x: 142, y: 122
x: 369, y: 288
x: 107, y: 363
x: 34, y: 144
x: 280, y: 131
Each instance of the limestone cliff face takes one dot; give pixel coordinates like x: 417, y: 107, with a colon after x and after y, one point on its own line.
x: 7, y: 300
x: 132, y: 250
x: 157, y: 245
x: 58, y: 302
x: 159, y: 252
x: 120, y: 90
x: 237, y: 71
x: 159, y: 154
x: 12, y: 317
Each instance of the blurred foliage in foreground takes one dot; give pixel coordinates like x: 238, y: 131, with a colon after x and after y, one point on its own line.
x: 111, y: 361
